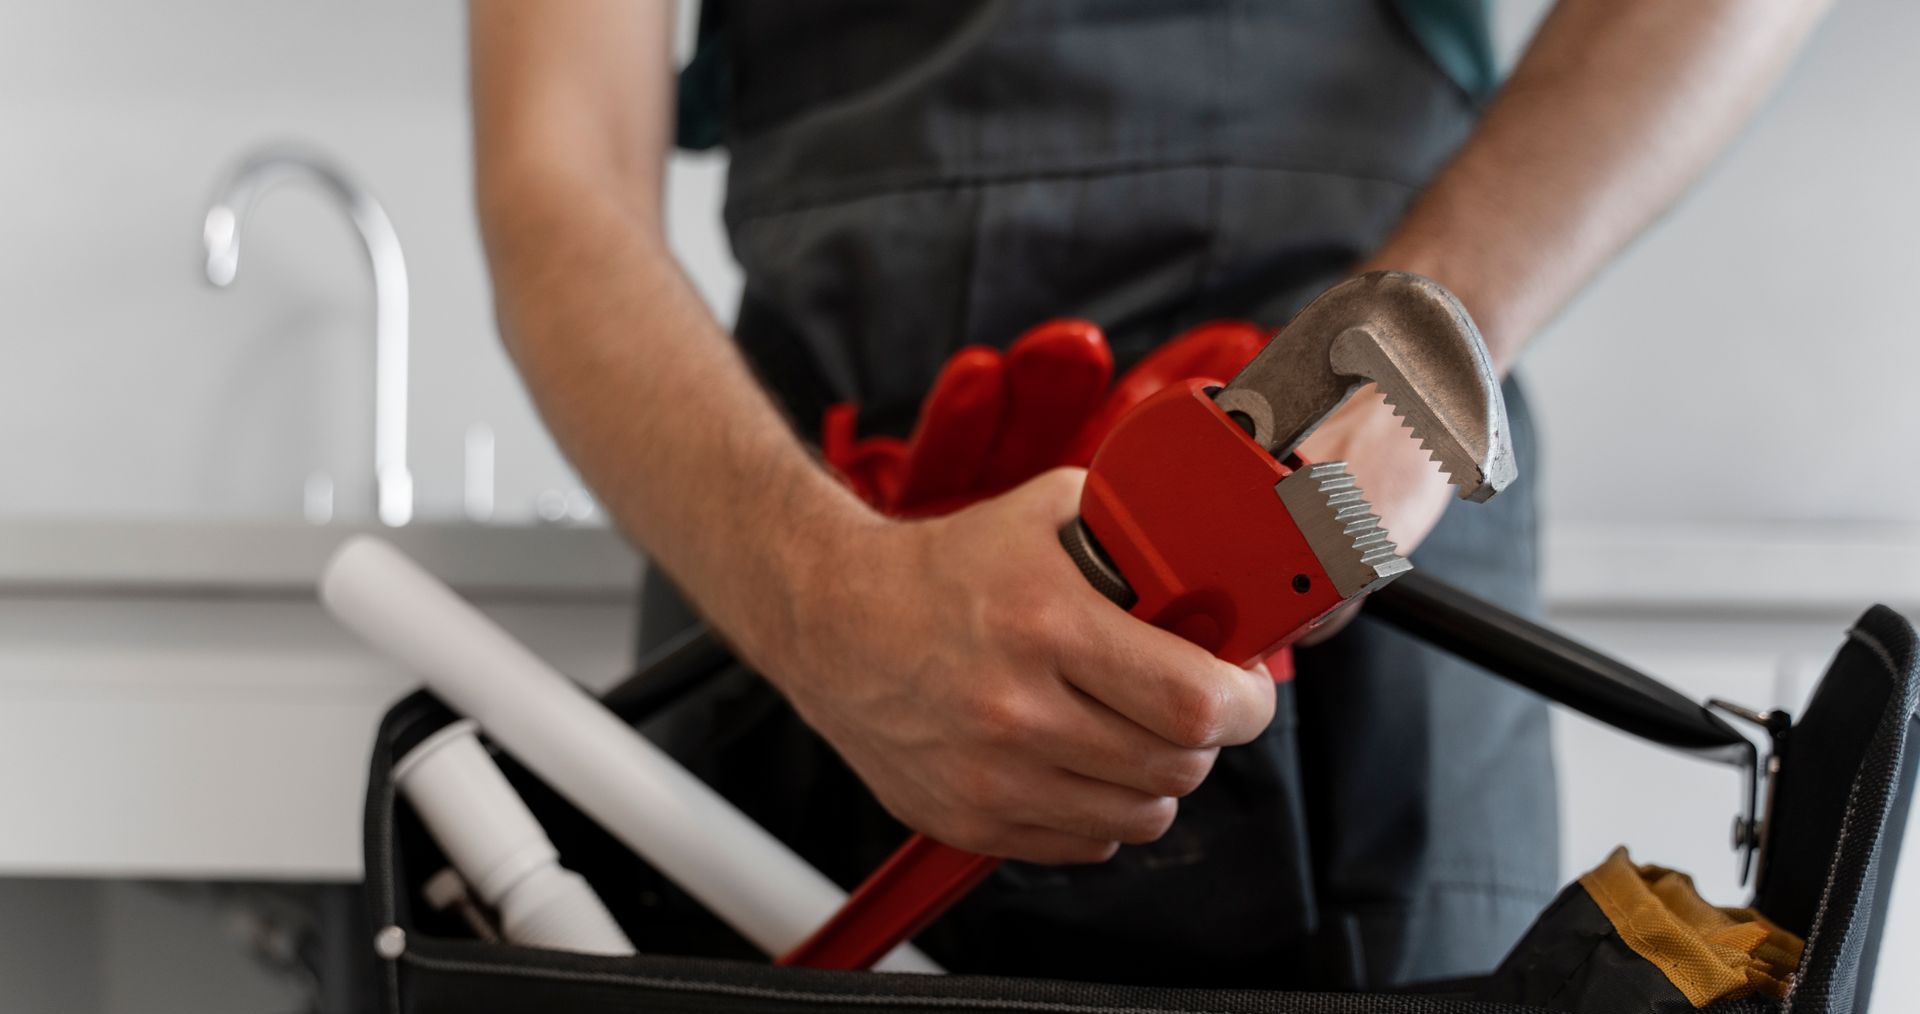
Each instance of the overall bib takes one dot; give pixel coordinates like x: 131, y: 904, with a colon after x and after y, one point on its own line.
x: 911, y: 177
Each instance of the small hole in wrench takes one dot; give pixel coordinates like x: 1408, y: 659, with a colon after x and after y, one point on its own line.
x: 1302, y: 583
x: 1242, y: 420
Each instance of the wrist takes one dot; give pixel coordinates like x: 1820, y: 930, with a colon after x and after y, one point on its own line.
x: 813, y: 575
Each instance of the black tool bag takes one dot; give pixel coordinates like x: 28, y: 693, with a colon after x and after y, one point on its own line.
x: 1838, y: 811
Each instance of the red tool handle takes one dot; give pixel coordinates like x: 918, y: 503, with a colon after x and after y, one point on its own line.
x: 1181, y: 524
x: 921, y: 880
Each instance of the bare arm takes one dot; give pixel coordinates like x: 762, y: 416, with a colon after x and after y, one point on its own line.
x: 962, y: 665
x: 1615, y: 109
x: 644, y: 391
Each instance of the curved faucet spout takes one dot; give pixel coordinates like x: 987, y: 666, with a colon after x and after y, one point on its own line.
x: 252, y: 178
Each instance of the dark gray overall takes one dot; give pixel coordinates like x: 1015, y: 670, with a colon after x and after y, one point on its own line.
x: 910, y: 177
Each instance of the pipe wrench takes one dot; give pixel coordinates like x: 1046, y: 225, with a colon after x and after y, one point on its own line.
x: 1200, y: 517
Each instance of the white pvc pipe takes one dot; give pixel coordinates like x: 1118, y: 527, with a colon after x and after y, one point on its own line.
x: 689, y: 832
x: 498, y: 846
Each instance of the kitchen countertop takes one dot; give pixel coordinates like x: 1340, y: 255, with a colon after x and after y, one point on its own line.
x: 1588, y: 566
x: 284, y: 558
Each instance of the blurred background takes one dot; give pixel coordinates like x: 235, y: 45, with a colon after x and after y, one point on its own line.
x: 183, y: 734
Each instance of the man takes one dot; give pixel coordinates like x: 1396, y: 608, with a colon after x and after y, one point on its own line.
x: 907, y: 178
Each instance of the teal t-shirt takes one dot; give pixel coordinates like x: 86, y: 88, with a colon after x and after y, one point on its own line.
x: 1459, y: 36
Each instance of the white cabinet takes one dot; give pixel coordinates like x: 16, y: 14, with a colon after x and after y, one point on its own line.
x: 175, y: 703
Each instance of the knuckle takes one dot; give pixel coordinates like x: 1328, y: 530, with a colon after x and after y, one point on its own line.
x: 1184, y: 773
x: 1059, y: 485
x: 1069, y: 476
x: 971, y: 788
x: 1150, y: 821
x: 1079, y: 851
x: 1097, y: 852
x: 980, y: 788
x: 1197, y: 713
x: 981, y: 836
x: 1000, y: 615
x: 1002, y: 719
x: 971, y: 834
x: 1012, y: 600
x: 1036, y: 620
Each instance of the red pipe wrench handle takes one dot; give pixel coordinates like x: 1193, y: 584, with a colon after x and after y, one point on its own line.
x: 919, y: 882
x: 1182, y: 522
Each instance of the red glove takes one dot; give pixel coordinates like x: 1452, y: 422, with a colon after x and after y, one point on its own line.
x: 870, y: 467
x: 958, y: 424
x: 992, y: 421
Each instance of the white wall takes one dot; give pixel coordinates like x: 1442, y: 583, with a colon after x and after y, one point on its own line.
x: 1752, y: 358
x: 131, y: 388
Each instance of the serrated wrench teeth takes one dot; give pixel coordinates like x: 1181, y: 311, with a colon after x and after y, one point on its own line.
x: 1412, y: 339
x: 1461, y: 430
x: 1341, y: 528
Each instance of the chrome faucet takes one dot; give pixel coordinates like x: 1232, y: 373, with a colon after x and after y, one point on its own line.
x: 253, y: 177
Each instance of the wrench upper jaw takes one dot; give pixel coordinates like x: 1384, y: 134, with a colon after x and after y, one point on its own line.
x: 1461, y: 428
x: 1413, y: 340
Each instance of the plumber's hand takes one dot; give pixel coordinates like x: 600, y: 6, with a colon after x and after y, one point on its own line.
x: 992, y: 699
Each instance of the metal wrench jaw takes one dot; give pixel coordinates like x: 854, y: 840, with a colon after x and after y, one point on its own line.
x: 1339, y: 526
x: 1409, y: 337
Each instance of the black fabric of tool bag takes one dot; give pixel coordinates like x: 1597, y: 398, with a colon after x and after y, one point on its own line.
x: 1839, y: 814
